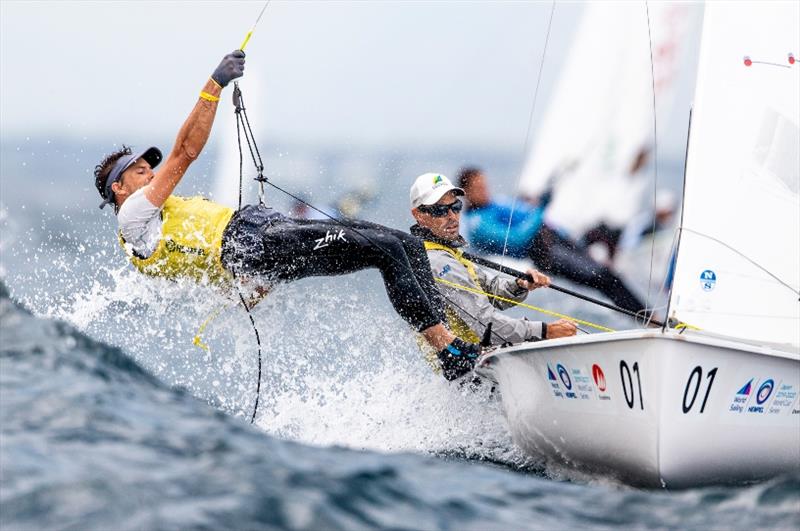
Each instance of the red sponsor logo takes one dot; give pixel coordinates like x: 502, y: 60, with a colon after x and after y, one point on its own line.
x: 599, y: 377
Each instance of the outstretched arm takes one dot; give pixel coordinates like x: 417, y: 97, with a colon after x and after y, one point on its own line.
x: 195, y: 131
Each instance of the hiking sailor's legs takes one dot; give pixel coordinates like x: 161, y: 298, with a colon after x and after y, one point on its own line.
x: 291, y: 249
x: 417, y: 256
x: 556, y: 255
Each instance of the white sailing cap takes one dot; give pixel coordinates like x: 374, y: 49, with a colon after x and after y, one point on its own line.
x: 429, y: 188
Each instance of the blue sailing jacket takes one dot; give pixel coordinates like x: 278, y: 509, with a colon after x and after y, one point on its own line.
x: 486, y: 227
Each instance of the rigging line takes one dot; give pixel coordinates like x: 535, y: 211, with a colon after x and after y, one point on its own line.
x: 250, y: 33
x: 381, y: 249
x: 770, y: 64
x: 241, y: 158
x: 762, y: 268
x: 649, y: 315
x: 530, y: 124
x: 520, y: 274
x: 241, y: 116
x: 254, y: 152
x: 258, y: 342
x: 237, y: 101
x: 261, y: 180
x: 523, y: 305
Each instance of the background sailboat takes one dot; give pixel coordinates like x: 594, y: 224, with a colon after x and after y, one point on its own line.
x: 601, y: 116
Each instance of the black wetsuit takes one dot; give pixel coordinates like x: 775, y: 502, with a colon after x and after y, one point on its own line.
x: 556, y: 255
x: 262, y: 242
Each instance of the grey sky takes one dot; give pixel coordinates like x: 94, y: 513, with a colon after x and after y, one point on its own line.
x: 323, y: 72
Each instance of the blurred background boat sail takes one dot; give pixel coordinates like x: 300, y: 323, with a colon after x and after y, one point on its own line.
x: 596, y: 141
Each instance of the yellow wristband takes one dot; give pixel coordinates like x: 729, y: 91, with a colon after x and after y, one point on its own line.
x: 208, y: 97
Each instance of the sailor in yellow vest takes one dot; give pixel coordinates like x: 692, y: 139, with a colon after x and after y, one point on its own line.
x: 436, y: 207
x: 170, y: 236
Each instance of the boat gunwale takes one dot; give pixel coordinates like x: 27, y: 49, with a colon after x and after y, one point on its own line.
x: 691, y: 336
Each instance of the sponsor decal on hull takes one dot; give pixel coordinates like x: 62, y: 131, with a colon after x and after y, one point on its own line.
x: 563, y: 375
x: 583, y: 384
x: 599, y: 378
x: 784, y: 398
x: 741, y: 398
x: 762, y: 396
x: 553, y: 382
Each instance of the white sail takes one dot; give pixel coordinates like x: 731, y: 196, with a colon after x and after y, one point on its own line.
x: 738, y: 265
x: 601, y: 114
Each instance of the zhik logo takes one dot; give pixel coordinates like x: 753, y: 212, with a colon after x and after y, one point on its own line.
x: 328, y: 238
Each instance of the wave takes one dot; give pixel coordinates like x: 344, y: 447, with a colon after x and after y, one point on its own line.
x: 92, y: 439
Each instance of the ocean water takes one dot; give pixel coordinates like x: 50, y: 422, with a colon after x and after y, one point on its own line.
x: 111, y: 418
x: 91, y: 440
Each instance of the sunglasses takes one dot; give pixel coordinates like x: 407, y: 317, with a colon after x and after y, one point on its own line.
x: 440, y: 211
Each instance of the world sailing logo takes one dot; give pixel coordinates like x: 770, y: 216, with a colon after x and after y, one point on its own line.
x: 746, y: 388
x: 742, y: 396
x: 553, y: 381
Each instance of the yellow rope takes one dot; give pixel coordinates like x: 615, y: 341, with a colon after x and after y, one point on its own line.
x: 512, y: 301
x: 686, y: 325
x: 197, y: 341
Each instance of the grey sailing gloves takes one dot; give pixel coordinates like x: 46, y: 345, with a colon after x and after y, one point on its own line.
x: 230, y: 68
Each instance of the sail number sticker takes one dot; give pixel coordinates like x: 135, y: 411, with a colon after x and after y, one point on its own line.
x: 627, y: 384
x: 692, y: 389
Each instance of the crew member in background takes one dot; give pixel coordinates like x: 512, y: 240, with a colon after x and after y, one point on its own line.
x: 626, y: 193
x: 170, y: 236
x: 436, y: 207
x: 650, y: 221
x: 487, y: 225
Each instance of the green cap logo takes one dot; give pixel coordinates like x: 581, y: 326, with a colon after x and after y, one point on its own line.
x: 437, y: 180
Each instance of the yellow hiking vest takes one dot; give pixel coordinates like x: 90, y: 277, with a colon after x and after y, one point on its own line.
x: 191, y: 239
x: 454, y: 321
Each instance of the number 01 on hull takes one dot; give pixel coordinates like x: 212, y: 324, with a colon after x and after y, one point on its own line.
x: 653, y: 408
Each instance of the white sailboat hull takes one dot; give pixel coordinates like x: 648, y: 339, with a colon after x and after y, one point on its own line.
x: 664, y: 409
